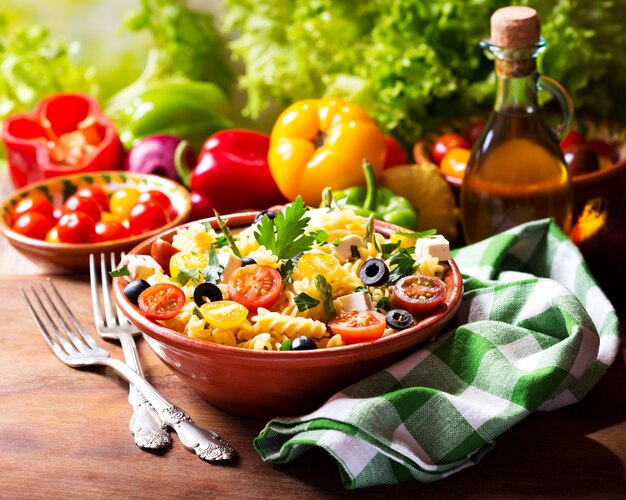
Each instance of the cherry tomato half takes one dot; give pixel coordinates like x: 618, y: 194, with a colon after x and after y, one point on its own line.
x: 110, y: 230
x: 224, y: 313
x: 145, y: 217
x: 33, y: 225
x: 454, y: 162
x: 89, y: 206
x: 76, y: 227
x: 419, y: 294
x: 310, y: 264
x: 161, y: 198
x: 358, y: 326
x: 255, y: 286
x: 97, y: 194
x: 445, y: 143
x: 161, y: 301
x: 34, y: 202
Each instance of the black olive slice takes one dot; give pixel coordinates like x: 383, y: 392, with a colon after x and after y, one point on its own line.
x: 270, y: 213
x: 303, y: 343
x: 206, y: 292
x: 134, y: 288
x: 374, y: 272
x: 399, y: 319
x: 247, y: 261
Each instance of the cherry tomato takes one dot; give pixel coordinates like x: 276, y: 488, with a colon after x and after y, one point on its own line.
x: 188, y: 261
x: 76, y: 227
x: 110, y: 230
x: 474, y: 132
x: 394, y: 153
x: 572, y: 137
x: 255, y: 286
x: 162, y: 252
x: 34, y: 202
x: 122, y: 201
x: 419, y: 294
x: 224, y: 313
x: 145, y: 217
x: 602, y: 148
x: 89, y: 206
x: 581, y: 159
x: 161, y: 301
x: 97, y: 194
x: 454, y: 162
x: 53, y: 235
x: 445, y: 143
x: 161, y: 198
x: 310, y: 264
x: 358, y: 326
x: 33, y: 225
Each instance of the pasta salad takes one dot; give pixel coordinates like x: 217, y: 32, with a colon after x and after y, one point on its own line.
x: 295, y: 279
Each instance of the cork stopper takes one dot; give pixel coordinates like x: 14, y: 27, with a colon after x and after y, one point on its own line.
x: 515, y: 27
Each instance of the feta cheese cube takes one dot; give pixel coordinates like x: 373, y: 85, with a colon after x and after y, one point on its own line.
x: 435, y: 246
x: 344, y: 248
x: 358, y: 301
x: 140, y: 267
x: 230, y: 263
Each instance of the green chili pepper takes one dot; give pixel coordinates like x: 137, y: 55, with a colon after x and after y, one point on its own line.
x: 190, y: 110
x: 382, y: 202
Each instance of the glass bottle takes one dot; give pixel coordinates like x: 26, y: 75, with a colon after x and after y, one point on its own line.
x: 516, y: 172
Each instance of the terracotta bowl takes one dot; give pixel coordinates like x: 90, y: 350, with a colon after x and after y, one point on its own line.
x: 266, y: 384
x: 607, y: 182
x: 58, y: 189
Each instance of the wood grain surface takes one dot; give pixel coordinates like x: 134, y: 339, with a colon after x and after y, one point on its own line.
x: 64, y: 434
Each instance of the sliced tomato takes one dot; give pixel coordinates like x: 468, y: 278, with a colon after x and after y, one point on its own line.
x: 419, y: 294
x: 358, y: 326
x: 224, y: 313
x: 310, y: 264
x: 255, y: 286
x: 163, y: 251
x: 191, y: 261
x: 161, y: 301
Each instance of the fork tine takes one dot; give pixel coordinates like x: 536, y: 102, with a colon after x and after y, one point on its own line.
x: 109, y: 311
x: 122, y: 320
x: 95, y: 297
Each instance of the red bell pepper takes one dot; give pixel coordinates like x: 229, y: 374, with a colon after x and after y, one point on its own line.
x: 67, y: 133
x: 232, y: 174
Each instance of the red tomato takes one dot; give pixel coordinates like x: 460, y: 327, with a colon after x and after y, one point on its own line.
x: 145, y: 217
x: 255, y: 286
x: 161, y: 301
x: 474, y: 132
x: 572, y: 137
x: 419, y: 294
x: 89, y: 206
x: 394, y: 153
x: 455, y: 162
x: 161, y: 198
x: 162, y: 252
x: 110, y: 230
x: 76, y: 227
x: 33, y: 225
x: 34, y: 202
x: 97, y: 194
x: 358, y: 326
x: 445, y: 143
x: 603, y: 148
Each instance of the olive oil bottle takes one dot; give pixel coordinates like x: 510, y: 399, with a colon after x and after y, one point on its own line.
x: 517, y: 172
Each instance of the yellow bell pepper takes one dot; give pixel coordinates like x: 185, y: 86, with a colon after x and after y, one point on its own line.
x: 320, y: 143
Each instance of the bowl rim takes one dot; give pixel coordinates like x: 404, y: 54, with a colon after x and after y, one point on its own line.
x: 383, y: 345
x: 81, y: 247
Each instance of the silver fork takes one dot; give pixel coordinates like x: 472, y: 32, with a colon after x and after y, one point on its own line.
x: 76, y: 348
x: 147, y: 428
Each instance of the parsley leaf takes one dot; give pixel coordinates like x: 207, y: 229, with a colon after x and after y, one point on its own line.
x: 388, y: 248
x: 122, y: 271
x: 305, y: 301
x: 404, y: 264
x: 284, y: 236
x: 214, y: 269
x: 286, y: 345
x: 383, y: 303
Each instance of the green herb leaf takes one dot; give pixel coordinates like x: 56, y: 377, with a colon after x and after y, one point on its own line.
x: 362, y: 288
x: 213, y: 271
x: 122, y: 271
x: 383, y: 303
x: 305, y: 301
x: 286, y: 345
x: 388, y: 248
x: 230, y: 239
x: 284, y: 236
x: 417, y: 234
x: 325, y: 292
x: 354, y: 252
x: 404, y: 264
x: 321, y: 236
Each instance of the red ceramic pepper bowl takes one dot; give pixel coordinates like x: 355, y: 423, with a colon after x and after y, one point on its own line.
x: 266, y: 384
x: 57, y: 189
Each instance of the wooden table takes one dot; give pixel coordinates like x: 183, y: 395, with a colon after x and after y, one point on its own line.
x: 64, y: 432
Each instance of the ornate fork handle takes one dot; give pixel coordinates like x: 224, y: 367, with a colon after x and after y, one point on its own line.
x: 208, y: 445
x: 145, y: 424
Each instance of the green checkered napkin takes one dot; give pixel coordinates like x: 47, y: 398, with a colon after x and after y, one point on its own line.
x: 534, y: 332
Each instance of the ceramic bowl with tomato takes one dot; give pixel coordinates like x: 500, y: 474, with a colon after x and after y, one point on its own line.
x: 62, y: 220
x: 595, y: 151
x: 266, y: 384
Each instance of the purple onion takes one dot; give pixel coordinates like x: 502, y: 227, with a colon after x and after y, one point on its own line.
x: 156, y: 154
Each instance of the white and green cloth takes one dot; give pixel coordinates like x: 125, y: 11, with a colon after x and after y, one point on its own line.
x: 534, y: 332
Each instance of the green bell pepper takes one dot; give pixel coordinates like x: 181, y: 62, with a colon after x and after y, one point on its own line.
x: 380, y: 201
x: 190, y: 110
